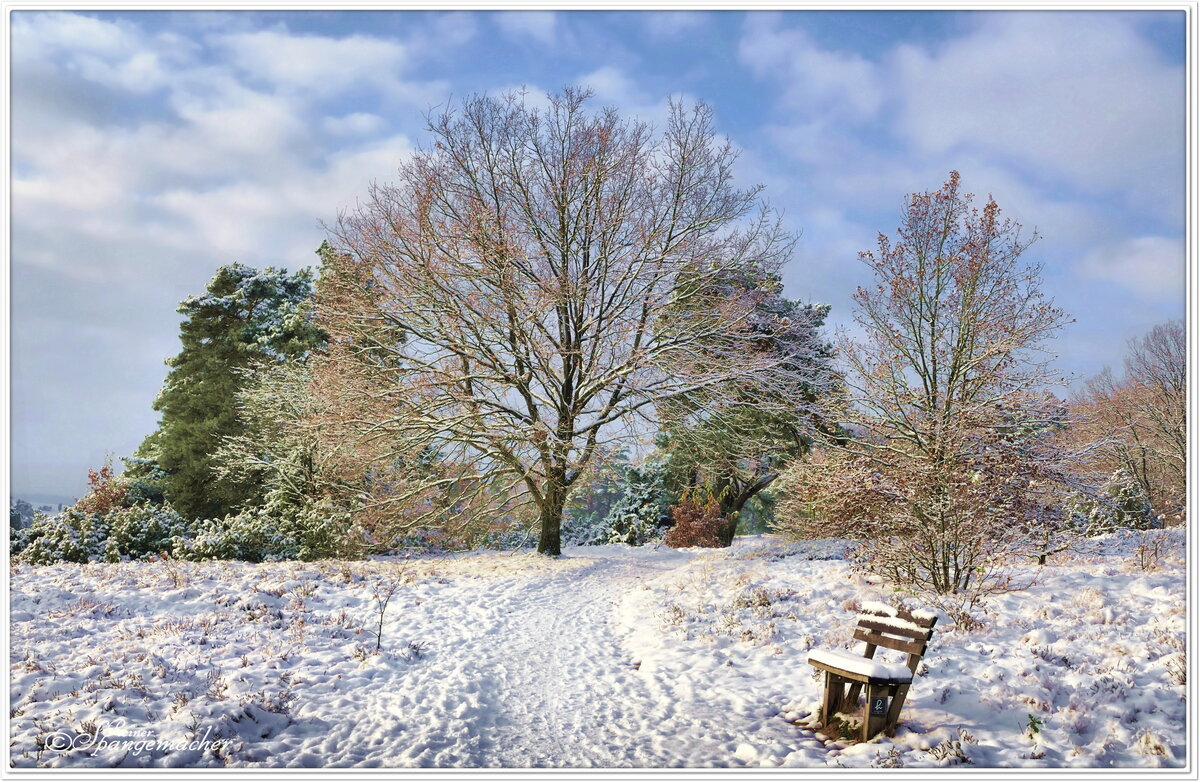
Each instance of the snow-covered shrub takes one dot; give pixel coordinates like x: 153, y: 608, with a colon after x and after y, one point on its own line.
x: 70, y: 536
x: 585, y: 531
x: 1122, y: 504
x: 321, y: 533
x: 134, y: 532
x: 635, y: 519
x: 252, y: 537
x: 257, y: 536
x: 754, y: 597
x: 696, y: 523
x: 78, y: 533
x: 110, y: 523
x: 145, y: 529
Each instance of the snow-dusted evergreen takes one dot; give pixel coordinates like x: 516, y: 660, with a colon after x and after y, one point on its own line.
x: 639, y: 515
x: 1122, y: 504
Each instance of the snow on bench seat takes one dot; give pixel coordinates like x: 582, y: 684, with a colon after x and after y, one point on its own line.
x: 852, y: 663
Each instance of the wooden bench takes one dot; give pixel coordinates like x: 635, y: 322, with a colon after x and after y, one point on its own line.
x: 886, y: 683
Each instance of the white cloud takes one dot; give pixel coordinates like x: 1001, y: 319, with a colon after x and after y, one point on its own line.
x: 671, y: 25
x: 449, y: 31
x: 612, y: 86
x: 541, y: 26
x: 142, y: 72
x: 312, y: 62
x: 1150, y: 266
x: 1074, y: 95
x: 36, y: 35
x: 112, y: 54
x: 356, y: 124
x: 812, y: 79
x: 142, y: 161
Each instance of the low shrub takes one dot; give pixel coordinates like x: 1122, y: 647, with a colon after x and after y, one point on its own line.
x: 134, y: 532
x: 259, y: 537
x: 70, y: 536
x: 696, y: 523
x: 143, y: 530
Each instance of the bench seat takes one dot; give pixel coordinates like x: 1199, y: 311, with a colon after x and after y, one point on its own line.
x: 855, y: 666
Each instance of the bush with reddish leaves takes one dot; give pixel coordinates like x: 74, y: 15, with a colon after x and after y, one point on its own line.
x: 696, y: 523
x: 106, y: 492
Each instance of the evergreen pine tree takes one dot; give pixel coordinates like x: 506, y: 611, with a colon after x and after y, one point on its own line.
x: 243, y: 318
x: 725, y: 440
x: 1130, y: 505
x: 642, y: 509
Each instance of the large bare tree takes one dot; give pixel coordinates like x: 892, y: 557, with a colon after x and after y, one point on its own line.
x: 544, y: 278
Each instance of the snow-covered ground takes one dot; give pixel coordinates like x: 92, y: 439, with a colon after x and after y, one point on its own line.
x: 609, y: 656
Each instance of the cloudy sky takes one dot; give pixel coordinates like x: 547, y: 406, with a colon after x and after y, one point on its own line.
x: 150, y: 148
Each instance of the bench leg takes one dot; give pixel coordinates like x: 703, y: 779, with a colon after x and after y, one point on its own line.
x: 827, y: 701
x: 869, y: 721
x: 893, y: 715
x: 852, y: 697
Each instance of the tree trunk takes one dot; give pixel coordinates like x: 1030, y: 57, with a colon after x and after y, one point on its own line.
x: 549, y: 542
x: 732, y: 503
x: 727, y: 530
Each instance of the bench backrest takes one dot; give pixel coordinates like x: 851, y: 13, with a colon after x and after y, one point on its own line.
x: 895, y: 628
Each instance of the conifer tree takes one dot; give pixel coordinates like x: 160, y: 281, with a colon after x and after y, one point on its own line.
x: 730, y: 441
x: 642, y: 509
x: 244, y: 317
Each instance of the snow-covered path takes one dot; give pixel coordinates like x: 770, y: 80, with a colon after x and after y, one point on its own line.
x: 535, y: 674
x: 566, y: 693
x: 563, y: 692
